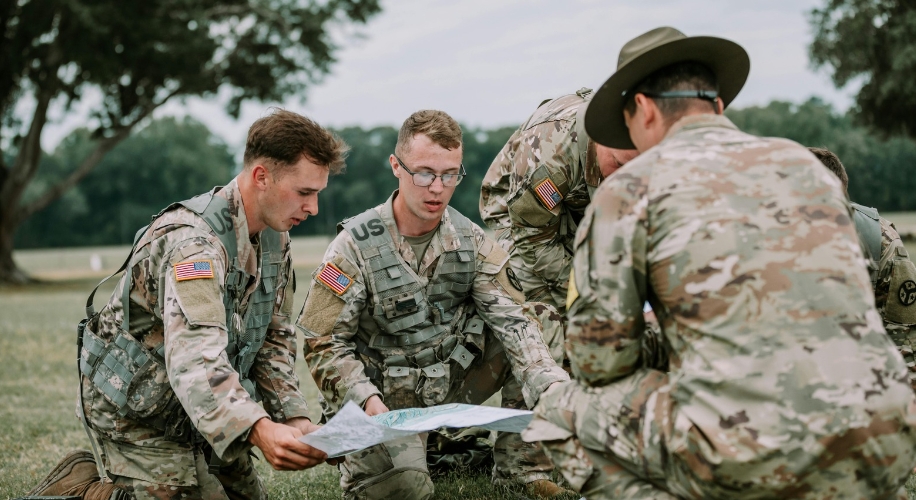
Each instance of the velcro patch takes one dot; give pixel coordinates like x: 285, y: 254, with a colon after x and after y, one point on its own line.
x: 193, y: 270
x: 334, y: 278
x: 548, y: 194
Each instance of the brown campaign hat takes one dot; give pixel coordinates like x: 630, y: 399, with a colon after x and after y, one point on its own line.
x: 649, y: 52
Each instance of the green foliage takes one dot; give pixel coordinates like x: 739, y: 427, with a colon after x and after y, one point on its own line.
x: 168, y: 161
x: 882, y: 172
x: 871, y: 41
x: 134, y: 52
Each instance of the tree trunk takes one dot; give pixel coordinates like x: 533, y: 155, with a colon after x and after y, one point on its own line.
x: 10, y: 273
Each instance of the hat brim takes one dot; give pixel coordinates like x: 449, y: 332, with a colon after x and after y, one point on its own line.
x: 730, y: 63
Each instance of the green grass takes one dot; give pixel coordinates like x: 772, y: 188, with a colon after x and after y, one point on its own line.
x: 38, y: 424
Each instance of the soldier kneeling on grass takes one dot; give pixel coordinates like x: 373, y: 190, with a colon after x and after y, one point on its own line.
x: 412, y: 307
x: 199, y: 331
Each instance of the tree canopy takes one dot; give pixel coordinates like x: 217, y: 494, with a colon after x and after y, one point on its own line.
x: 174, y: 159
x: 871, y: 41
x: 169, y: 160
x: 132, y: 57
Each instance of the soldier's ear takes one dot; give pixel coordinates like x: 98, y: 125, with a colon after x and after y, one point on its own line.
x: 260, y: 176
x: 395, y: 166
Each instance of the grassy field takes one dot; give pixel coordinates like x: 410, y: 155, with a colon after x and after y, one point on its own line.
x: 38, y: 374
x: 38, y: 377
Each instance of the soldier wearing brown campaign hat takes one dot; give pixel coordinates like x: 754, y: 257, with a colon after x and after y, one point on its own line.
x: 650, y: 52
x: 781, y: 381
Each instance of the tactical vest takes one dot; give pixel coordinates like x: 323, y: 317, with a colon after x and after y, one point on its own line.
x: 120, y: 368
x: 868, y: 227
x: 407, y: 312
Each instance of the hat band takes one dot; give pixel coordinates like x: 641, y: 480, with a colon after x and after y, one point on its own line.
x: 709, y: 95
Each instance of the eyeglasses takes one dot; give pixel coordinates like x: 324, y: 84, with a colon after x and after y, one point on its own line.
x: 425, y: 179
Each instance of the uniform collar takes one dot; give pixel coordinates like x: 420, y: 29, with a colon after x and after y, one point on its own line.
x: 446, y: 240
x: 703, y: 120
x: 247, y: 253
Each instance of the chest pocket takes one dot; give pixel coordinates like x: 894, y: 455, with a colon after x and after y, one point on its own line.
x: 399, y: 297
x: 453, y: 280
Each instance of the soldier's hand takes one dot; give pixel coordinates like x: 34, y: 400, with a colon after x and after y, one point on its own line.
x: 306, y: 426
x: 374, y: 406
x: 281, y: 446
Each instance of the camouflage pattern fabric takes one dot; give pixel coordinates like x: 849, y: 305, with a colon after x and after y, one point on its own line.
x: 512, y: 350
x: 236, y: 480
x: 782, y: 382
x: 538, y: 237
x: 189, y: 317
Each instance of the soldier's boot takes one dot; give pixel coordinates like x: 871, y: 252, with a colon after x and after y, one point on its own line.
x: 545, y: 488
x: 77, y: 475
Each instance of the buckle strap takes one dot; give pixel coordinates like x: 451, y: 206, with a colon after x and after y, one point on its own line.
x: 387, y: 340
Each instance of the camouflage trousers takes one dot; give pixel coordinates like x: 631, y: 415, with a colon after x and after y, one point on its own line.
x: 159, y: 469
x: 397, y: 470
x: 627, y: 440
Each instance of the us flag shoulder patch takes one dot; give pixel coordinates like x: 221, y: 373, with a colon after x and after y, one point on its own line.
x: 548, y: 194
x: 193, y: 270
x: 334, y: 278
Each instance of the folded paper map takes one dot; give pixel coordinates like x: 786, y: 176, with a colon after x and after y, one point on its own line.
x: 352, y: 430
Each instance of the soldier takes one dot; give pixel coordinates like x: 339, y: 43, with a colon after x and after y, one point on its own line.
x: 892, y: 273
x: 171, y: 384
x: 782, y: 383
x: 412, y: 307
x: 536, y: 190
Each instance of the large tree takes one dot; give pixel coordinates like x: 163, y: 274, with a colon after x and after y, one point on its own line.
x: 130, y: 58
x: 872, y: 42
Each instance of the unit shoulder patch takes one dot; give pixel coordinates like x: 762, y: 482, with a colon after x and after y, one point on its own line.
x: 193, y: 270
x: 907, y: 292
x: 547, y: 192
x: 335, y: 279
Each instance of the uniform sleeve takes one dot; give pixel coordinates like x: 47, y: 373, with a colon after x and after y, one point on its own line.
x: 521, y: 336
x: 198, y: 367
x: 329, y: 322
x: 494, y: 190
x: 540, y: 226
x: 274, y: 369
x: 608, y: 288
x: 895, y: 295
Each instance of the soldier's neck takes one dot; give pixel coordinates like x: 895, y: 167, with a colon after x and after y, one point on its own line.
x: 408, y: 223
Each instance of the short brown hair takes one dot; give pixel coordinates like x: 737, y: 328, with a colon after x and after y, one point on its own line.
x: 285, y: 137
x: 832, y: 162
x: 441, y: 128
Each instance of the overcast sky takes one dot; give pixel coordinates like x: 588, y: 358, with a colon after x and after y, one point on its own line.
x: 490, y: 62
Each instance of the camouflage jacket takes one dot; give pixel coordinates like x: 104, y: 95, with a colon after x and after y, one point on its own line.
x: 515, y: 198
x: 746, y: 250
x: 188, y: 316
x: 332, y: 320
x: 895, y: 294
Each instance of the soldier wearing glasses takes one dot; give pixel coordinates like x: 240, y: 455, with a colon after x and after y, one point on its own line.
x: 412, y: 307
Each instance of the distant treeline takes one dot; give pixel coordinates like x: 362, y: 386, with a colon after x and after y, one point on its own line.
x: 173, y: 159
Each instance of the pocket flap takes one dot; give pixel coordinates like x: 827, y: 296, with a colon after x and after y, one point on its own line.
x: 174, y: 464
x: 398, y: 371
x: 434, y: 371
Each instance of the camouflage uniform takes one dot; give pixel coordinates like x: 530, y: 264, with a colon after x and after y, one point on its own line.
x: 353, y: 357
x: 894, y: 281
x: 537, y: 230
x: 185, y: 321
x: 782, y: 382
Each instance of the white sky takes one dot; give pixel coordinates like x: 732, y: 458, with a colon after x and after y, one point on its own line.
x: 490, y: 62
